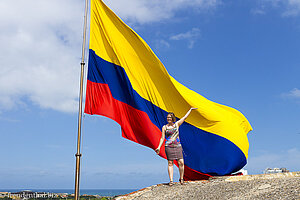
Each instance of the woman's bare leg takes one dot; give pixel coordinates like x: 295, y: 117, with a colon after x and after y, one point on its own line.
x: 170, y: 169
x: 181, y: 168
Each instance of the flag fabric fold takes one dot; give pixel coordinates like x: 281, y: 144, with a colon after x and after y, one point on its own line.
x: 128, y: 83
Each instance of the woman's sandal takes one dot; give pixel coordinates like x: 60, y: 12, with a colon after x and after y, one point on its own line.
x: 181, y: 181
x: 171, y: 183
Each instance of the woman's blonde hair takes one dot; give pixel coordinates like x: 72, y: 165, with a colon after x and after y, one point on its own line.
x: 173, y: 116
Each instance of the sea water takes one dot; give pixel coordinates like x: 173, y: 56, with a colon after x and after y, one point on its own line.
x: 100, y: 192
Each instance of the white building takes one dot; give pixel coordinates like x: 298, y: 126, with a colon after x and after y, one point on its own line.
x: 275, y: 170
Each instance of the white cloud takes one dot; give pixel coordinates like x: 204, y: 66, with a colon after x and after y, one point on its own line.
x: 40, y: 53
x: 8, y: 119
x: 191, y: 36
x: 145, y: 11
x: 162, y: 44
x: 289, y: 159
x: 294, y: 93
x: 287, y: 8
x: 293, y: 8
x: 258, y: 11
x: 41, y: 46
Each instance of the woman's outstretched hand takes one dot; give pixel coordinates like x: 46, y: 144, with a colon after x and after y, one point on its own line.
x: 157, y: 151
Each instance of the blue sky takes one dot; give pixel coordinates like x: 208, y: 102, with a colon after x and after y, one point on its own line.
x: 244, y: 54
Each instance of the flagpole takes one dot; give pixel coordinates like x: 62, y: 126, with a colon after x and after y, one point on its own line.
x: 78, y: 154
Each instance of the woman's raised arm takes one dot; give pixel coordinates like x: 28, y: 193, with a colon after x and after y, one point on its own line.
x: 179, y: 122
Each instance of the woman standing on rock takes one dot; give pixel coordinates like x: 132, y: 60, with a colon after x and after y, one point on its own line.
x: 173, y: 148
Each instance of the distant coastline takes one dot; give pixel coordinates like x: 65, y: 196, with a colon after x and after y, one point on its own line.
x: 100, y: 192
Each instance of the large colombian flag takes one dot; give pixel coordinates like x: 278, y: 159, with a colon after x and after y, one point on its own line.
x: 127, y: 83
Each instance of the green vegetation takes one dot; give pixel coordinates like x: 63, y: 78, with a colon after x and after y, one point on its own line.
x: 70, y: 198
x: 47, y: 199
x: 6, y: 198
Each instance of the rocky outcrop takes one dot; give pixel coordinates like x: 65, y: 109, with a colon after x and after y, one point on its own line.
x: 262, y: 186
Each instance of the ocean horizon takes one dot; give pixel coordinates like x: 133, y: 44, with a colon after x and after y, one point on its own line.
x: 100, y: 192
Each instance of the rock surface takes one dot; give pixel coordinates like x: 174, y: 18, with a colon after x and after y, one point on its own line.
x: 263, y: 186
